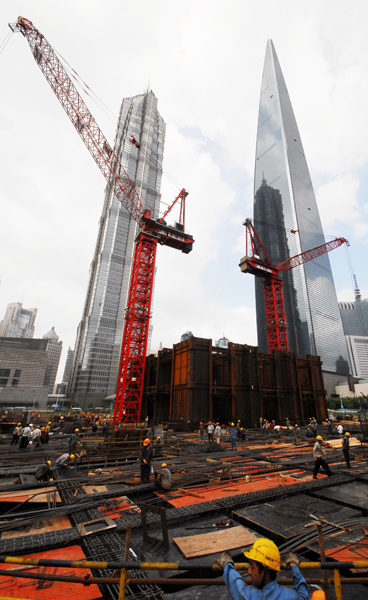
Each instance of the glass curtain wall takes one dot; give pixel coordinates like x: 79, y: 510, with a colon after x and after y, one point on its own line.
x: 99, y: 337
x: 284, y: 200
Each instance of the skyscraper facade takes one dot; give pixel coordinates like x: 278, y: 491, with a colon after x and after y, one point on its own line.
x: 18, y: 321
x: 355, y: 322
x: 287, y: 221
x: 139, y: 145
x: 54, y: 348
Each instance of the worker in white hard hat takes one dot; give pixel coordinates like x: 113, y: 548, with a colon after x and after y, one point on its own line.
x: 264, y: 564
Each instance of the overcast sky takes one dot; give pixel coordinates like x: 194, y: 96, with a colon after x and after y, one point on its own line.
x: 204, y: 62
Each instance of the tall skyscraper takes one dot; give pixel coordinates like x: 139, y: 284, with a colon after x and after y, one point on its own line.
x: 18, y: 321
x: 355, y: 321
x: 54, y: 348
x: 139, y: 145
x: 287, y: 221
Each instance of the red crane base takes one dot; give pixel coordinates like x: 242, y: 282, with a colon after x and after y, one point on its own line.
x: 275, y: 315
x: 134, y: 347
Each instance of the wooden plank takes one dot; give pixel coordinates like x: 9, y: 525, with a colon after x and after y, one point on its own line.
x: 39, y: 495
x: 216, y: 541
x: 55, y: 524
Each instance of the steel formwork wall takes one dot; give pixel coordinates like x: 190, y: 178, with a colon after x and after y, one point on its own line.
x: 195, y: 382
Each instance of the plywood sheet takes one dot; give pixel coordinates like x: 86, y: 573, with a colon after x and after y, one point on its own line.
x: 55, y: 524
x: 216, y: 541
x: 34, y: 496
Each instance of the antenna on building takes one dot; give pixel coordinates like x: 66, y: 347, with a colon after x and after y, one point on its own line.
x: 358, y: 295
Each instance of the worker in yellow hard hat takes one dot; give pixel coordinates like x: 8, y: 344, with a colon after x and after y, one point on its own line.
x: 163, y: 479
x: 16, y: 434
x: 43, y: 472
x: 233, y: 433
x: 346, y: 449
x: 74, y: 440
x: 297, y: 435
x: 319, y: 458
x: 264, y: 563
x: 146, y: 459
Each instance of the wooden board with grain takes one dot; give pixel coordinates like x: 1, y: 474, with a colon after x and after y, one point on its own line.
x: 216, y: 541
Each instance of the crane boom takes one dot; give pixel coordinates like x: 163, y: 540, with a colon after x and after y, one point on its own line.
x: 82, y: 119
x: 303, y: 257
x: 151, y: 232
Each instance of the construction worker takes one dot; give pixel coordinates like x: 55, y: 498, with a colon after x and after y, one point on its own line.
x: 329, y: 426
x: 16, y: 433
x: 146, y: 459
x: 319, y: 457
x: 64, y: 461
x: 210, y: 430
x: 201, y: 432
x: 238, y: 426
x: 105, y: 429
x: 218, y: 433
x: 43, y: 435
x: 48, y: 427
x: 35, y: 438
x: 277, y: 429
x: 163, y: 478
x: 287, y: 423
x: 346, y: 448
x: 25, y: 436
x: 233, y: 436
x: 43, y: 472
x: 74, y: 441
x: 309, y: 433
x: 340, y: 429
x: 297, y: 435
x: 264, y: 563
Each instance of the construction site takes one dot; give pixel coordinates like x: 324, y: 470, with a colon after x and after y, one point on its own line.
x: 94, y: 530
x: 134, y: 506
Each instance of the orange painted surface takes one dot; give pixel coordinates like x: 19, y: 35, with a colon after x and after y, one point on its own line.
x: 235, y: 487
x: 354, y: 551
x: 55, y: 524
x: 124, y: 504
x: 14, y: 587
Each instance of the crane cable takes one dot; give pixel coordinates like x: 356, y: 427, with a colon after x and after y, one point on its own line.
x: 103, y: 107
x: 5, y: 42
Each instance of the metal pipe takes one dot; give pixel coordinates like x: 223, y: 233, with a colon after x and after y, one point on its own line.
x: 88, y: 564
x: 158, y: 580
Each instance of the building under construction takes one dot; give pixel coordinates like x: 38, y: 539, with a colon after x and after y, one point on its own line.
x: 196, y: 381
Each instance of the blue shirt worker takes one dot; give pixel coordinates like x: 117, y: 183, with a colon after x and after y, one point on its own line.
x: 233, y: 433
x: 264, y: 562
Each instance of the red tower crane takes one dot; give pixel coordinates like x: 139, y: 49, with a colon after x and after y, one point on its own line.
x: 272, y: 284
x: 151, y: 232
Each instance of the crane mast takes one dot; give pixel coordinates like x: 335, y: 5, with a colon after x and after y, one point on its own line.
x: 150, y: 231
x: 272, y: 283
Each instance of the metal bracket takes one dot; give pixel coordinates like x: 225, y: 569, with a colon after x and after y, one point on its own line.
x: 157, y: 510
x: 90, y: 527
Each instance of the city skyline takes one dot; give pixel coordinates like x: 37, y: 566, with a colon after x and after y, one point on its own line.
x: 286, y: 218
x: 208, y: 92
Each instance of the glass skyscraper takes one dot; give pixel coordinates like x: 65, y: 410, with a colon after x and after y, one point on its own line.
x: 139, y: 145
x: 287, y: 221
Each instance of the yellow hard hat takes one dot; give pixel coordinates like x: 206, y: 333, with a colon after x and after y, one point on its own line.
x: 296, y: 425
x: 49, y: 423
x: 158, y: 437
x: 72, y: 457
x: 49, y: 463
x: 19, y: 424
x: 319, y: 437
x: 232, y: 424
x: 76, y: 430
x: 239, y: 421
x: 163, y: 465
x: 347, y: 433
x: 265, y: 552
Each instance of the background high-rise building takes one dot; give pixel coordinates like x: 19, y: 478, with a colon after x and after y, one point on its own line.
x: 284, y: 200
x: 18, y: 321
x: 99, y: 336
x: 54, y: 348
x: 355, y: 321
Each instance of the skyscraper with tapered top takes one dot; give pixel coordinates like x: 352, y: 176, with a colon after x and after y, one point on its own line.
x: 139, y: 145
x: 287, y: 221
